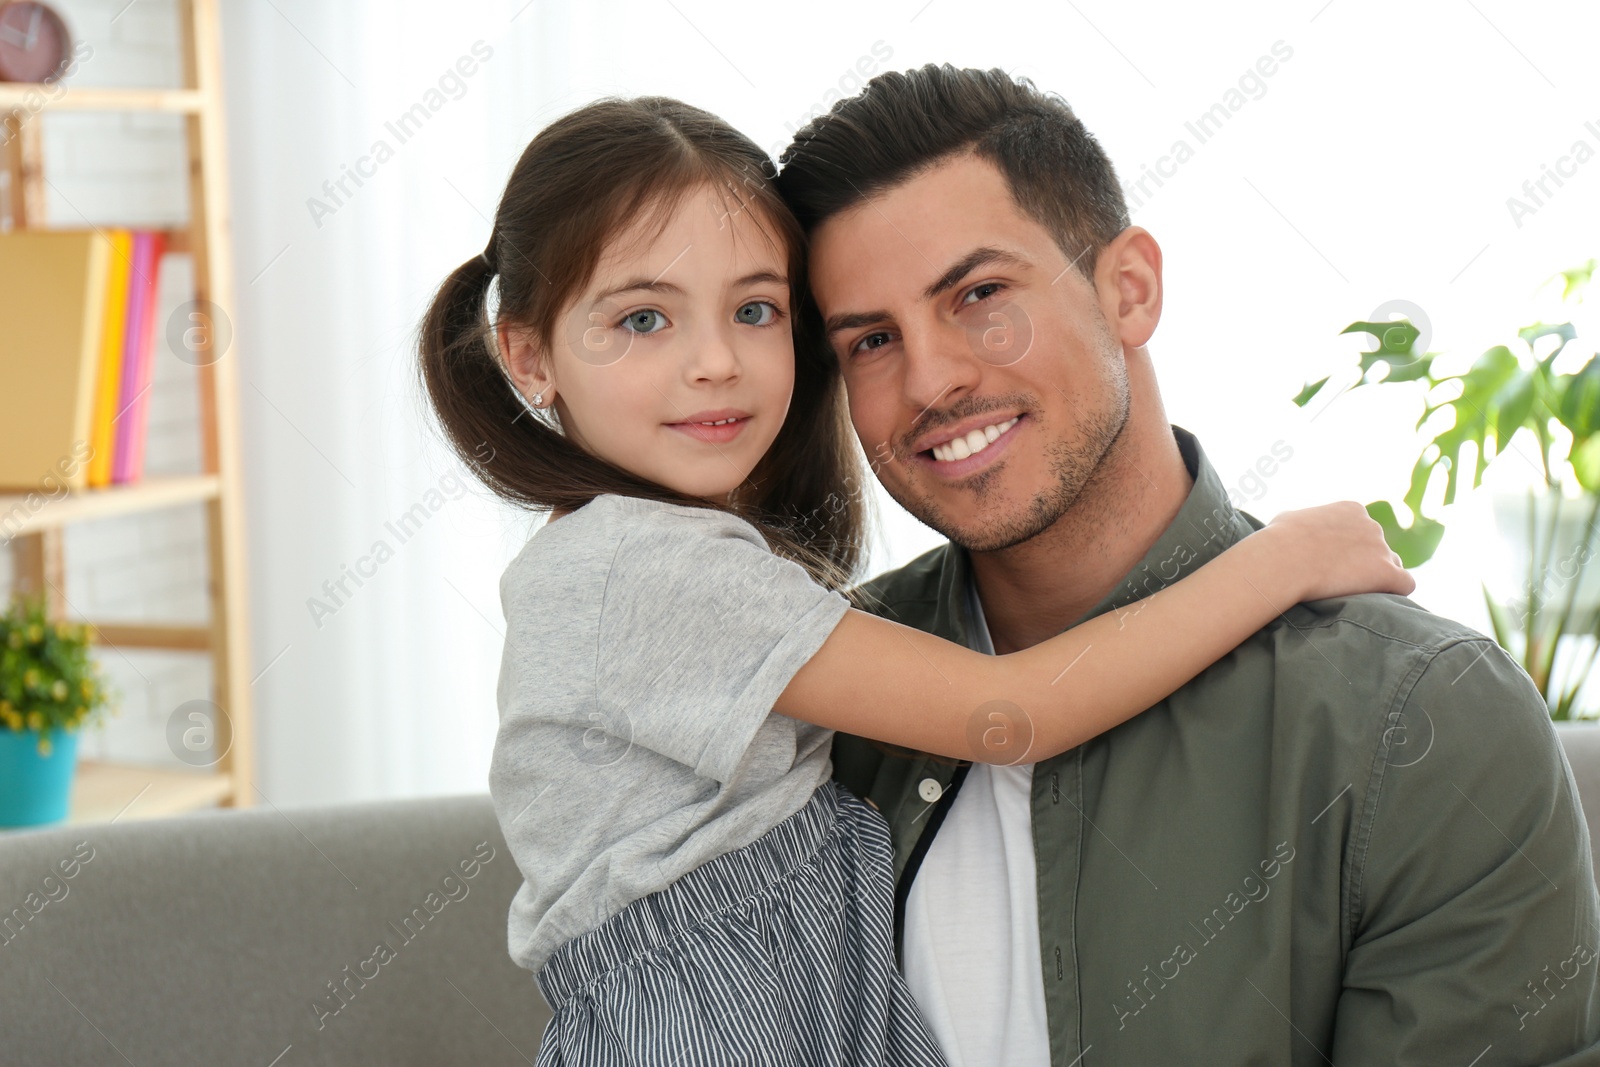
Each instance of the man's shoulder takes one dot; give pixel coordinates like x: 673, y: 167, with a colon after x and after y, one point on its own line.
x: 1397, y: 646
x: 916, y: 583
x: 1387, y: 617
x: 1401, y: 667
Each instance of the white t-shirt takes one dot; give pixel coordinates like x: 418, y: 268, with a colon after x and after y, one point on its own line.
x: 972, y: 918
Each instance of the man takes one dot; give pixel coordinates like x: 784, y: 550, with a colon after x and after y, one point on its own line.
x: 1353, y: 840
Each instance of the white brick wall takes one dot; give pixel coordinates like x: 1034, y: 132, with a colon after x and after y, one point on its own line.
x: 131, y: 170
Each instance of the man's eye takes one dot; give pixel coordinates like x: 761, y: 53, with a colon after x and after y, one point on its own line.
x: 648, y: 320
x: 982, y: 292
x: 756, y: 313
x: 872, y: 340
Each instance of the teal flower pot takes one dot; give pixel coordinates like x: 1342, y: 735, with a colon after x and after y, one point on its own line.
x: 35, y: 789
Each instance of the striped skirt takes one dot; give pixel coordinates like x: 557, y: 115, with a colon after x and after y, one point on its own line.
x: 778, y: 953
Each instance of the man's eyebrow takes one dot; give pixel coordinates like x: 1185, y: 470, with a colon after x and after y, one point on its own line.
x: 978, y: 257
x: 854, y: 320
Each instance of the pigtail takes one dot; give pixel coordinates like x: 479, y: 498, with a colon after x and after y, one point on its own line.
x: 469, y: 390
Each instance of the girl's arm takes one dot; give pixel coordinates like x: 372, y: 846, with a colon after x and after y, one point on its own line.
x: 878, y: 679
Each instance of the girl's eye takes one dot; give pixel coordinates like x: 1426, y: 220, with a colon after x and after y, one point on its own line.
x: 756, y: 313
x: 648, y: 320
x: 981, y: 292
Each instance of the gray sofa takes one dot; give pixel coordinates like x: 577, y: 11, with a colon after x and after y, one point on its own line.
x: 253, y: 937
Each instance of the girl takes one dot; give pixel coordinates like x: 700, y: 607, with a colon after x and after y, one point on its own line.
x: 679, y: 648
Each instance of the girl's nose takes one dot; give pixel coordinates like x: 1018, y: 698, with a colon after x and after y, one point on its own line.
x: 714, y: 357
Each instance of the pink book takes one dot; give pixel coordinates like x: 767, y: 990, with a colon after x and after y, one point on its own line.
x: 138, y: 362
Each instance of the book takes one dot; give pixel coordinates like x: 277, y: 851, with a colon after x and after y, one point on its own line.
x: 53, y: 287
x: 109, y: 374
x: 138, y: 362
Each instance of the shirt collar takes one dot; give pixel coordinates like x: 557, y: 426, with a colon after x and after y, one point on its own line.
x: 1203, y: 529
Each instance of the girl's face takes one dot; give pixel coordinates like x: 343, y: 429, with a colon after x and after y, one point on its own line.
x: 677, y: 329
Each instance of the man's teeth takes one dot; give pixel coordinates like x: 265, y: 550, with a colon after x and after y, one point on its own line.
x: 973, y: 443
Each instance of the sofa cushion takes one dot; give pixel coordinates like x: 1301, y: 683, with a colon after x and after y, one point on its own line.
x: 361, y: 933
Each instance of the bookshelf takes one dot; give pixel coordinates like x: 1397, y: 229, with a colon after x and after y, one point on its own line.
x: 105, y: 790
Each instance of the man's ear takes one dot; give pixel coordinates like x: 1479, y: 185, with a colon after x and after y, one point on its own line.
x: 524, y: 360
x: 1128, y: 283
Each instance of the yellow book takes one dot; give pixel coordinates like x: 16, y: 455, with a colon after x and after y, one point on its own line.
x: 52, y: 301
x: 108, y: 385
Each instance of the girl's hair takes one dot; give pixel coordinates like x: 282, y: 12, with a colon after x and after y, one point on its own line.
x: 580, y: 183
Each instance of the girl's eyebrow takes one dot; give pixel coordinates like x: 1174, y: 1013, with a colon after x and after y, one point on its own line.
x: 647, y: 285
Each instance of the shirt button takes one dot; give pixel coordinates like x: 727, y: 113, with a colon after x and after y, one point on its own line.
x: 930, y: 789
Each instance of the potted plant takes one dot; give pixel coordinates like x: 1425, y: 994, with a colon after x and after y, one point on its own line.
x: 1552, y: 528
x: 49, y: 688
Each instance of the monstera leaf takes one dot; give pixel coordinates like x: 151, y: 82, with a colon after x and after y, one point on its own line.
x: 1503, y: 392
x: 1508, y: 389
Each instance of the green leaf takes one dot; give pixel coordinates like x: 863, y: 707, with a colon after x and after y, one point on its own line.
x: 1394, y: 338
x: 1565, y: 330
x: 1578, y: 277
x: 1577, y: 398
x: 1585, y: 461
x: 1499, y: 618
x: 1310, y: 391
x: 1416, y: 543
x: 1512, y: 406
x: 1420, y: 475
x: 1416, y: 368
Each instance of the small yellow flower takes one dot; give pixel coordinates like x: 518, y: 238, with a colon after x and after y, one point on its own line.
x: 44, y: 744
x: 35, y: 720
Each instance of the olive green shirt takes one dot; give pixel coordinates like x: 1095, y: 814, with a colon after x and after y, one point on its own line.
x: 1354, y: 839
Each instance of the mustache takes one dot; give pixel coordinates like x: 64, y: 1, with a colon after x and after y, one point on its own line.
x: 965, y: 408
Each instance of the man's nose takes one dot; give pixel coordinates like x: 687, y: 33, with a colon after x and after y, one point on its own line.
x: 939, y: 364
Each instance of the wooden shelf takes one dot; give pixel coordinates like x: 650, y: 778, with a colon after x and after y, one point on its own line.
x: 88, y: 504
x: 31, y: 521
x: 105, y: 791
x: 65, y: 96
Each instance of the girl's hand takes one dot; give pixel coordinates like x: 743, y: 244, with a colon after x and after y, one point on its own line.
x: 1337, y: 550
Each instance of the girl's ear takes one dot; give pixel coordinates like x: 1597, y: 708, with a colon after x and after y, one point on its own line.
x: 524, y: 359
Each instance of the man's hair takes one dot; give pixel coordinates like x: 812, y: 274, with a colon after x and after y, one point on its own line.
x: 906, y: 122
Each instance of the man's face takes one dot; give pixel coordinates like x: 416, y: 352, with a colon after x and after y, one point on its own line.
x: 955, y: 315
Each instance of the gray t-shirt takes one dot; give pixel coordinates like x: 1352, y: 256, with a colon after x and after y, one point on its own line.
x: 645, y: 646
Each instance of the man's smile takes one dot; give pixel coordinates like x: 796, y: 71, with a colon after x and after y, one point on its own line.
x: 967, y: 454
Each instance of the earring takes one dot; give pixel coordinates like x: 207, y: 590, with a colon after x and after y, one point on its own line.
x: 538, y: 399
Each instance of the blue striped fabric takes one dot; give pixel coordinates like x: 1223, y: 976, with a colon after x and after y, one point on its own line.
x: 778, y: 953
